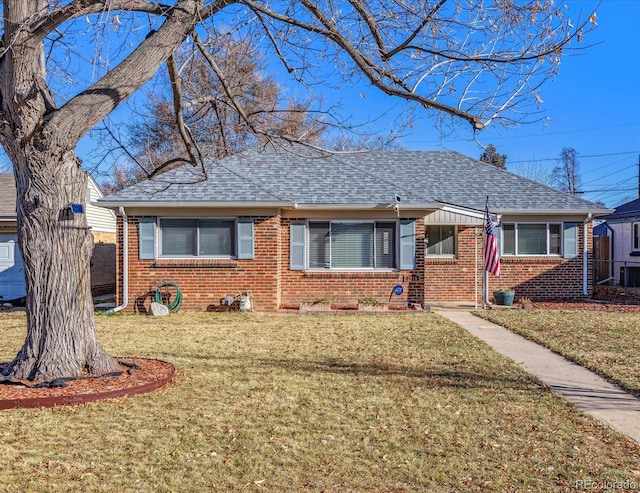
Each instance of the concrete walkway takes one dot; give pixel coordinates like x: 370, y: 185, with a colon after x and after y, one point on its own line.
x: 584, y: 388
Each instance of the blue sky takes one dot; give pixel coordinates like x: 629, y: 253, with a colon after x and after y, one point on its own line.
x: 593, y: 105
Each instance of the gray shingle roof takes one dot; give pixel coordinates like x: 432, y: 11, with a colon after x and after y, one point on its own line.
x: 7, y: 195
x: 350, y: 179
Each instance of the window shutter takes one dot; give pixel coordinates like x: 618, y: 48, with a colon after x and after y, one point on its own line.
x: 407, y: 245
x: 147, y: 238
x: 245, y: 239
x: 297, y: 248
x: 570, y: 240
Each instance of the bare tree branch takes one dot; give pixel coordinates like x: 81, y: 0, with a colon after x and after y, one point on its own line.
x: 86, y: 109
x: 195, y: 156
x: 50, y: 21
x: 223, y: 82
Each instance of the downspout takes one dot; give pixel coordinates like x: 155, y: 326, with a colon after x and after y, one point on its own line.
x: 125, y: 264
x: 585, y: 260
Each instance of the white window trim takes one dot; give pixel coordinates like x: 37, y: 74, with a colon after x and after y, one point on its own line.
x: 396, y: 259
x: 515, y: 225
x: 455, y: 243
x: 191, y: 257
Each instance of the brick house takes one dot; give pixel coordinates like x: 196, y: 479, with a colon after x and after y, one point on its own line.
x: 290, y: 227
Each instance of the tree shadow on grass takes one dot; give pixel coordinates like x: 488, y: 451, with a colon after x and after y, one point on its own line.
x: 457, y: 377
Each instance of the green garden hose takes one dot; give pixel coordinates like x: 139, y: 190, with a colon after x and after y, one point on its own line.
x: 176, y: 303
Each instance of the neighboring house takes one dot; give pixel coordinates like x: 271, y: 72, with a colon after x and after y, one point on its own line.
x: 290, y: 227
x: 623, y: 232
x: 103, y: 227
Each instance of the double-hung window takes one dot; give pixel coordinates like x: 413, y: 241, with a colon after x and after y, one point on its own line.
x: 441, y: 240
x: 197, y: 238
x: 531, y: 239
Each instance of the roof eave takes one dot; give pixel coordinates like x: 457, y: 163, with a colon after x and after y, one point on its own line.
x: 365, y: 206
x: 553, y: 212
x: 198, y: 204
x: 115, y: 205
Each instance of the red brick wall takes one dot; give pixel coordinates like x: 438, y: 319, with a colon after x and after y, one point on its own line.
x: 454, y: 279
x: 203, y: 282
x: 548, y: 277
x: 344, y: 288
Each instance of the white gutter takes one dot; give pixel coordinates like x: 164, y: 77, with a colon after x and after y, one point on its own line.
x: 585, y: 262
x: 261, y: 205
x: 125, y: 264
x: 547, y: 212
x: 195, y: 204
x: 378, y: 207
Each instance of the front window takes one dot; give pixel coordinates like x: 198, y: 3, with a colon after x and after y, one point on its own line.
x: 352, y: 245
x: 531, y: 239
x: 636, y: 236
x: 441, y: 240
x: 197, y: 238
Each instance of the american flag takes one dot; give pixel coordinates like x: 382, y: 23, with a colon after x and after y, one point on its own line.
x: 491, y: 253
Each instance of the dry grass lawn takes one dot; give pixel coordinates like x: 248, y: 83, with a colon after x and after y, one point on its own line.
x: 605, y: 342
x: 310, y: 403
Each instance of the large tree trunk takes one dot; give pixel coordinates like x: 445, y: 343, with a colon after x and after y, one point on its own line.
x: 40, y: 139
x: 56, y: 246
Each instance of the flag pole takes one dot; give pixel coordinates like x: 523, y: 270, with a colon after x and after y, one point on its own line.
x: 485, y: 273
x: 475, y: 277
x: 491, y: 253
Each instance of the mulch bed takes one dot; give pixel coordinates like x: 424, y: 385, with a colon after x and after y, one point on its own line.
x: 139, y: 375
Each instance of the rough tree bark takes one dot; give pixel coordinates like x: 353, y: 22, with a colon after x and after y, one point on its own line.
x: 56, y: 247
x: 40, y: 140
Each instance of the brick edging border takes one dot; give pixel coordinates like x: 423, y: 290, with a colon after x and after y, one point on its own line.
x: 71, y: 400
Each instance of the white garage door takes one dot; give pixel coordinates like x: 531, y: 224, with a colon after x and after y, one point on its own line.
x: 11, y: 269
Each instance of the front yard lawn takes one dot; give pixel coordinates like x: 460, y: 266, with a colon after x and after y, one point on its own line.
x: 605, y: 342
x: 354, y: 403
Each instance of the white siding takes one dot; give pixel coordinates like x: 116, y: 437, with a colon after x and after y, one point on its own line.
x: 99, y: 218
x: 448, y: 217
